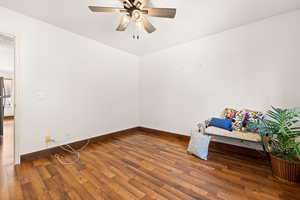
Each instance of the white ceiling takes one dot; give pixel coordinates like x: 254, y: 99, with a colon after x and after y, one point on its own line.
x: 195, y: 19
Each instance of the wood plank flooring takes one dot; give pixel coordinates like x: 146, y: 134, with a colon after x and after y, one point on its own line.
x: 7, y: 145
x: 144, y: 166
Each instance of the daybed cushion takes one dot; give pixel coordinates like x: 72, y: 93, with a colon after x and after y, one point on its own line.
x: 234, y: 134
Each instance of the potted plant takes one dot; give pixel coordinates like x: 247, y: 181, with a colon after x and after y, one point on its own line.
x: 280, y: 127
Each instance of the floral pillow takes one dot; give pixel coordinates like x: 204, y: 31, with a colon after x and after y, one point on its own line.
x: 243, y: 120
x: 229, y: 113
x: 252, y: 117
x: 239, y: 120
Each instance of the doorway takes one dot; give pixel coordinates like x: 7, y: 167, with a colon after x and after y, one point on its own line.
x: 7, y: 112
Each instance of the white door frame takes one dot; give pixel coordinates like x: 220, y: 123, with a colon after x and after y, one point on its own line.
x: 16, y: 89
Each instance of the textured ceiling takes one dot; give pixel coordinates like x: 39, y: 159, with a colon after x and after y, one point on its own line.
x: 195, y: 19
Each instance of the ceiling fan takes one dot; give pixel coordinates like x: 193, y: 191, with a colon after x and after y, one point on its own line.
x: 135, y: 10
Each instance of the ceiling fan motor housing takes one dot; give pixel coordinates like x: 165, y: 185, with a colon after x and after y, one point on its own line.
x: 137, y: 15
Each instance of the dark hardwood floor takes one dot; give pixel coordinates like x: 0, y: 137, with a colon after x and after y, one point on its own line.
x: 144, y: 166
x: 7, y: 145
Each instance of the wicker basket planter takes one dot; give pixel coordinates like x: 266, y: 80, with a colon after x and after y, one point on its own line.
x: 285, y: 170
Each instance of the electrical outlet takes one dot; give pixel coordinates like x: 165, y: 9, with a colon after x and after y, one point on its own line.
x: 49, y: 139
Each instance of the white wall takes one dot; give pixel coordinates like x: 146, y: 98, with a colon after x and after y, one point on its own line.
x: 6, y: 58
x: 253, y: 66
x: 68, y: 86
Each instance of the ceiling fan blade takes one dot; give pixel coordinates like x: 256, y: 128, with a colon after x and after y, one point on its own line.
x: 124, y: 23
x: 126, y: 3
x: 106, y: 9
x: 148, y: 26
x: 144, y: 3
x: 137, y: 3
x: 161, y: 12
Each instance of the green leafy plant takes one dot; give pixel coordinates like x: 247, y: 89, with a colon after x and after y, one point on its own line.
x: 281, y: 129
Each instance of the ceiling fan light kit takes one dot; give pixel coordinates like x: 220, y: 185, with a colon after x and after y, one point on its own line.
x: 135, y: 11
